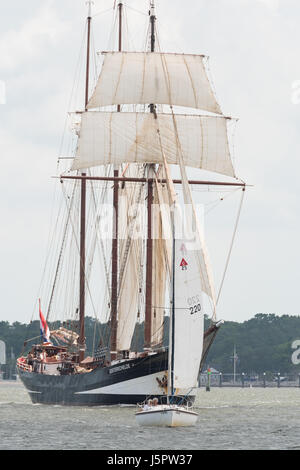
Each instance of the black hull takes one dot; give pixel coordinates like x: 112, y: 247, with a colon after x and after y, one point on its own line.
x: 129, y: 382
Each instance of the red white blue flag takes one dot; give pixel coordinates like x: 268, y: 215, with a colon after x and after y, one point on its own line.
x: 45, y: 332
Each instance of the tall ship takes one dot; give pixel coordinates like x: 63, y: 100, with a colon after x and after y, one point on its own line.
x: 150, y: 118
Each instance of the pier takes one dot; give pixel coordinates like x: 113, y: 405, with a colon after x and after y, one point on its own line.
x: 211, y: 378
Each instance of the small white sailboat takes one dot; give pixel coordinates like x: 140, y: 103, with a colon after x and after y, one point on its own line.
x: 186, y: 321
x: 185, y: 350
x: 167, y: 415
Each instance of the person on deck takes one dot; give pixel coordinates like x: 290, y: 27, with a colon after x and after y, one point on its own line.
x: 30, y: 359
x: 147, y: 405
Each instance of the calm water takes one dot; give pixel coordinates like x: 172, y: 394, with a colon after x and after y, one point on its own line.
x: 250, y: 418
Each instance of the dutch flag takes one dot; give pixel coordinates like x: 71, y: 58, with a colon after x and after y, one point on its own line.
x: 45, y: 332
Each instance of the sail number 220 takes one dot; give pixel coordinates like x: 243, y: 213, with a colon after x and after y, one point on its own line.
x: 194, y: 304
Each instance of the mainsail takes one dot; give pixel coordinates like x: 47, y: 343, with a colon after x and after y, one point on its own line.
x: 188, y: 283
x: 188, y: 320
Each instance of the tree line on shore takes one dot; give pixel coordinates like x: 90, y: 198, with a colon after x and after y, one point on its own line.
x: 262, y: 344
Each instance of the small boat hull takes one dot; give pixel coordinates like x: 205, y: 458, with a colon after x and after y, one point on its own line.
x: 166, y: 415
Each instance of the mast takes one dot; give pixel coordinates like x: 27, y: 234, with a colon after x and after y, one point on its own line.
x: 120, y: 8
x: 152, y: 37
x: 172, y: 319
x: 87, y: 77
x: 114, y: 272
x: 148, y: 309
x: 83, y: 205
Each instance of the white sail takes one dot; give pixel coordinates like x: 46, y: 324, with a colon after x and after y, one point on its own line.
x: 132, y: 137
x: 191, y: 277
x: 165, y: 227
x: 128, y: 299
x: 160, y: 262
x: 130, y: 247
x: 162, y: 78
x: 188, y: 321
x: 197, y: 240
x: 158, y: 293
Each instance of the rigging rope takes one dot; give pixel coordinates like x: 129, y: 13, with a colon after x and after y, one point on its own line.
x: 78, y: 249
x: 231, y: 244
x: 132, y: 227
x: 60, y: 254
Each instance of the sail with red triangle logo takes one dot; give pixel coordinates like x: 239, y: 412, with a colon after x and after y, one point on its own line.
x: 183, y: 265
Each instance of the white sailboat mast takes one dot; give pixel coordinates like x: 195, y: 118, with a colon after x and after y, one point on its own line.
x: 172, y: 317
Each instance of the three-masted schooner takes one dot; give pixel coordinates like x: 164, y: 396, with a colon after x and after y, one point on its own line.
x: 133, y: 128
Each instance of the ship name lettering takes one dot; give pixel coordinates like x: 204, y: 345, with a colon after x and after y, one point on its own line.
x: 118, y: 368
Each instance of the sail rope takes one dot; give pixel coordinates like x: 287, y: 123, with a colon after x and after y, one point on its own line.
x: 51, y: 244
x: 64, y: 234
x: 73, y: 93
x: 102, y: 12
x: 137, y: 11
x: 96, y: 237
x: 78, y: 249
x: 213, y: 204
x: 75, y: 80
x: 74, y: 90
x: 131, y: 229
x: 60, y: 254
x: 172, y: 196
x: 231, y: 244
x: 131, y: 252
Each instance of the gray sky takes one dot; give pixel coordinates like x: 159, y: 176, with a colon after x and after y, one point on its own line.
x: 254, y: 60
